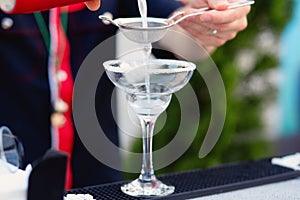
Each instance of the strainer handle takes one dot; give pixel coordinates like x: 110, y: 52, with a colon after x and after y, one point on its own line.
x: 105, y: 18
x: 203, y: 10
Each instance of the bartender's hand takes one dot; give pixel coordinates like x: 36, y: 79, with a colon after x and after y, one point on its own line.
x: 93, y: 4
x: 213, y: 29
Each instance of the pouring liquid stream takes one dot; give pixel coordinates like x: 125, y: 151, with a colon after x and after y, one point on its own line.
x: 142, y: 4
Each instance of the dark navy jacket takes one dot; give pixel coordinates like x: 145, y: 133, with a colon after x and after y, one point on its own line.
x: 25, y: 98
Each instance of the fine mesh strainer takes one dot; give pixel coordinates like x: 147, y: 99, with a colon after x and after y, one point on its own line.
x: 133, y: 28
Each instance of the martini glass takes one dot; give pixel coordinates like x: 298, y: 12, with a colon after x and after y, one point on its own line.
x: 149, y: 87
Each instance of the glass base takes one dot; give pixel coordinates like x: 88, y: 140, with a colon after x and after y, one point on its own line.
x: 137, y: 188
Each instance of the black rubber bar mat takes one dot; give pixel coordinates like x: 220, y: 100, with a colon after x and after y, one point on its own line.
x: 203, y: 182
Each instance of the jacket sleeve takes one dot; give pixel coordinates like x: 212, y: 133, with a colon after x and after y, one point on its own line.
x: 162, y: 8
x: 156, y: 8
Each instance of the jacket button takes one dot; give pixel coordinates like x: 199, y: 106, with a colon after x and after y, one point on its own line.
x: 7, y: 23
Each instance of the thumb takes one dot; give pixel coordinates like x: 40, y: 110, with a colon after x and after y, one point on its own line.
x: 218, y: 4
x: 93, y: 5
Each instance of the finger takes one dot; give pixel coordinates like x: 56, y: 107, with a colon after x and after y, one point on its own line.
x: 211, y: 35
x: 194, y: 3
x: 211, y: 41
x: 195, y: 27
x: 93, y: 5
x: 214, y: 4
x: 203, y: 34
x: 228, y: 34
x: 207, y: 37
x: 227, y: 16
x: 218, y: 4
x: 235, y: 26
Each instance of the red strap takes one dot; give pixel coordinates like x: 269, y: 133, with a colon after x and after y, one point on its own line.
x: 61, y: 52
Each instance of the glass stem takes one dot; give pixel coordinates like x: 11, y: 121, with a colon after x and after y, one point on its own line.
x: 147, y: 172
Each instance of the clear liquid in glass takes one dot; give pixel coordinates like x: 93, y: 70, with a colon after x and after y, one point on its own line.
x: 148, y: 98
